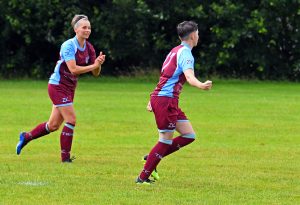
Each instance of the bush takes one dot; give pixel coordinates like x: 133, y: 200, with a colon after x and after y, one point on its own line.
x: 241, y: 39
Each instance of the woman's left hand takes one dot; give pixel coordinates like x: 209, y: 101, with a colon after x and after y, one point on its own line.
x: 101, y: 58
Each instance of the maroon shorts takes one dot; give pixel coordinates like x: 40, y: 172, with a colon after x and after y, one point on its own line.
x: 167, y: 113
x: 60, y: 95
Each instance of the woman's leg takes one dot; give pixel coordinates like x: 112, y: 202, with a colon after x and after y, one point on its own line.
x: 166, y: 116
x: 55, y: 119
x: 41, y: 130
x: 187, y: 136
x: 66, y: 137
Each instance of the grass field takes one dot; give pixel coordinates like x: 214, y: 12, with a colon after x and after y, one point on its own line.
x: 247, y: 149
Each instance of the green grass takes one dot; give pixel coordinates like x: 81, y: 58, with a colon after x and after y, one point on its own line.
x: 247, y: 149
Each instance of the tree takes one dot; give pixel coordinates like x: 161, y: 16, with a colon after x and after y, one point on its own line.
x: 243, y: 39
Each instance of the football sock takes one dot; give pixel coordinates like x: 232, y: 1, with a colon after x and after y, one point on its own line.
x: 154, y: 157
x: 179, y: 142
x: 66, y: 138
x: 39, y: 131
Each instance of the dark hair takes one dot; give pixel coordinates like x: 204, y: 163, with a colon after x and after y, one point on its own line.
x: 77, y: 18
x: 185, y: 28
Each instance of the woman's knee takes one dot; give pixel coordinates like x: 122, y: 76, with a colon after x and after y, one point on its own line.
x: 191, y: 135
x: 71, y: 120
x: 68, y: 113
x: 53, y: 126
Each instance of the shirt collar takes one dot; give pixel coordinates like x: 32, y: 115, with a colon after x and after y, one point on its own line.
x: 186, y: 45
x: 78, y: 46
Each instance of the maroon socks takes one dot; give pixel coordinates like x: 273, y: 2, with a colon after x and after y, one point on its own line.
x: 179, y: 142
x: 66, y: 138
x: 39, y: 131
x: 163, y: 148
x: 154, y: 157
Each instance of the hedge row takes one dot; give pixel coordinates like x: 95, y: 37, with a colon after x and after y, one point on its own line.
x: 242, y: 39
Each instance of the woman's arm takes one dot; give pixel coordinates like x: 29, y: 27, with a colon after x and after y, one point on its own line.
x: 77, y: 70
x: 96, y: 72
x: 193, y: 81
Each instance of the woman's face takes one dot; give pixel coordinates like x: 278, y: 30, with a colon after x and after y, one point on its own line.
x: 195, y: 38
x: 83, y: 29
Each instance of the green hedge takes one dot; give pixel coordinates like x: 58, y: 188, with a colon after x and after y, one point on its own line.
x: 241, y: 39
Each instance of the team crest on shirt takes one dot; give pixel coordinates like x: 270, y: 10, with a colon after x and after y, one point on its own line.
x: 87, y: 59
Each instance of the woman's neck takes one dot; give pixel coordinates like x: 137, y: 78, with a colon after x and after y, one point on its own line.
x: 80, y: 41
x: 190, y: 43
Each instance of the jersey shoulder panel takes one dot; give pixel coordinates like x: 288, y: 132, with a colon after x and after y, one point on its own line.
x: 68, y: 50
x: 185, y: 59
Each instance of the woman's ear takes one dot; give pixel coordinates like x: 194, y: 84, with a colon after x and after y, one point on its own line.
x: 192, y: 36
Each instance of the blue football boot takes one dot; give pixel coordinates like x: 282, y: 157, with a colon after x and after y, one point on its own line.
x: 21, y: 143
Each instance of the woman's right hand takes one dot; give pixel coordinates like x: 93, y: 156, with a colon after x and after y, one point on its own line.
x: 149, y: 107
x: 206, y: 85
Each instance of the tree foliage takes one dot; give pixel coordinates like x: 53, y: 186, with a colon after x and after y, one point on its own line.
x: 244, y: 39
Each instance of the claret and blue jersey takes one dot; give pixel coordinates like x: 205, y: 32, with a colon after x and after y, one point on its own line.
x: 71, y: 50
x: 172, y: 77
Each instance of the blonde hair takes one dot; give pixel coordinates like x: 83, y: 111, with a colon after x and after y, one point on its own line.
x: 77, y: 18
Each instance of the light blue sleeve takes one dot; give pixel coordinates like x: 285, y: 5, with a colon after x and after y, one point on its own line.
x: 186, y: 60
x: 68, y: 51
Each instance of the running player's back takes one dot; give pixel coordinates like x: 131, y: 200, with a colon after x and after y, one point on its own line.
x: 172, y: 77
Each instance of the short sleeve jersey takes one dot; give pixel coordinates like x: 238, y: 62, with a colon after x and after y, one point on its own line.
x: 71, y: 50
x: 172, y: 77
